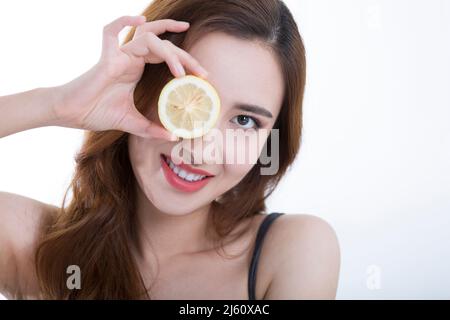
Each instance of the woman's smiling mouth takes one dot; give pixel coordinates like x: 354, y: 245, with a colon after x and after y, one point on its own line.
x: 184, y: 177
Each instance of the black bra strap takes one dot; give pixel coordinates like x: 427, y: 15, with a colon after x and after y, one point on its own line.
x: 257, y: 251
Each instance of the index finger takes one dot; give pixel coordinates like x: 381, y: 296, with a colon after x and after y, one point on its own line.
x: 111, y: 30
x: 160, y: 26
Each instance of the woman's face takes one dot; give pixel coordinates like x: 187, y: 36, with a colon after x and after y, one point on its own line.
x: 243, y: 73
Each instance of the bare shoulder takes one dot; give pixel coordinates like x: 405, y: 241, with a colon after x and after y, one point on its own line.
x: 302, y: 257
x: 22, y: 219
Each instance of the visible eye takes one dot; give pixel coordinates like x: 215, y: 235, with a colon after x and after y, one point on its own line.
x: 244, y: 120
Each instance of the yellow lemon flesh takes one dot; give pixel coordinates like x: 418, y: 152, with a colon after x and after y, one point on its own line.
x: 188, y: 106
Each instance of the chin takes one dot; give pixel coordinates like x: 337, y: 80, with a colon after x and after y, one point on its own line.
x: 174, y: 204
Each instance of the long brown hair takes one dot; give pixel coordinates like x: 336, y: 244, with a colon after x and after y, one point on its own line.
x: 97, y: 229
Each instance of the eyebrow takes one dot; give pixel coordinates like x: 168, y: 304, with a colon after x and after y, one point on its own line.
x: 254, y: 109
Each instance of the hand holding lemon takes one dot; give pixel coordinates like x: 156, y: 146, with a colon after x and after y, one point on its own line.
x: 101, y: 98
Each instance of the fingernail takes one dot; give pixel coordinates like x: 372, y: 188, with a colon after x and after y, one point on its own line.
x: 180, y: 69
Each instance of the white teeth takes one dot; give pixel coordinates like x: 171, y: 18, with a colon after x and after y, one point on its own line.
x: 184, y: 174
x: 194, y: 177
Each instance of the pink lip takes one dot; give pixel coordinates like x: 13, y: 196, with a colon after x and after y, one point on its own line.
x: 180, y: 183
x: 188, y: 168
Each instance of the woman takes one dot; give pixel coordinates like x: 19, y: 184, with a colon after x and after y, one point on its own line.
x: 126, y: 230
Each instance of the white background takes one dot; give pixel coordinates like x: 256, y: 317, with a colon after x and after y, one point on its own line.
x: 376, y: 148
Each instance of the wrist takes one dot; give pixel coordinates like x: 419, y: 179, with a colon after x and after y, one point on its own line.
x: 49, y: 99
x: 58, y: 112
x: 55, y: 96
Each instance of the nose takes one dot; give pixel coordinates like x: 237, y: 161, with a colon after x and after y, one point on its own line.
x: 198, y: 151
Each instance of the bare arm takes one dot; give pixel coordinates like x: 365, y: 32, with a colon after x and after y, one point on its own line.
x: 27, y: 110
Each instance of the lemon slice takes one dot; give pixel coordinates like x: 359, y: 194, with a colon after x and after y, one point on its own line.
x: 188, y: 106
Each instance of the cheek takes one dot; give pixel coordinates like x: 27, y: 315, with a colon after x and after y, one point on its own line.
x: 142, y: 153
x: 244, y: 150
x: 240, y: 156
x: 235, y: 172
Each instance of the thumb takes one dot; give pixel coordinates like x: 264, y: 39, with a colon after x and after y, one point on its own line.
x: 135, y: 123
